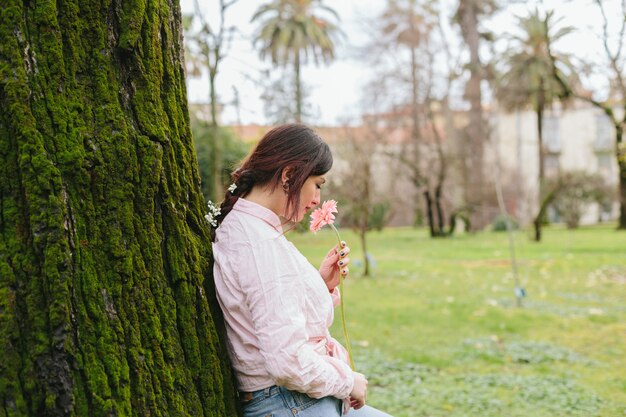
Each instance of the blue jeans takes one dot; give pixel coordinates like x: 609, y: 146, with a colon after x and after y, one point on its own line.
x: 281, y: 402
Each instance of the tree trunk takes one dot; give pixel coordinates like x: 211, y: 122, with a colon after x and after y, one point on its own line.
x: 298, y: 88
x: 429, y: 212
x: 542, y: 153
x: 365, y: 209
x: 476, y: 129
x: 216, y: 154
x: 106, y: 300
x: 415, y: 120
x: 537, y: 225
x: 366, y: 259
x: 439, y: 209
x: 547, y: 198
x: 620, y: 150
x: 541, y: 212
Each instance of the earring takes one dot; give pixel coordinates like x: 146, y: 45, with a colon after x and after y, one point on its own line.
x: 285, y: 187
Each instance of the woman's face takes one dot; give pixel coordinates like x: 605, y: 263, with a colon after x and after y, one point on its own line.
x: 310, y: 195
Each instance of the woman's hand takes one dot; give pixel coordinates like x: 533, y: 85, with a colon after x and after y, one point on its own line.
x: 335, y: 263
x: 359, y: 391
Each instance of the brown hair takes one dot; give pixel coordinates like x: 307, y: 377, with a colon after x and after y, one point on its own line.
x: 293, y: 146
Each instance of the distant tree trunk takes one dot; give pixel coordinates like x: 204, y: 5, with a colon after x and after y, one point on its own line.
x: 216, y: 154
x: 365, y: 210
x: 298, y: 88
x: 429, y: 213
x: 366, y: 260
x: 541, y: 211
x: 107, y: 305
x: 544, y: 203
x: 415, y: 125
x: 415, y: 120
x: 436, y: 220
x: 620, y: 151
x: 476, y: 129
x: 542, y: 152
x: 439, y: 209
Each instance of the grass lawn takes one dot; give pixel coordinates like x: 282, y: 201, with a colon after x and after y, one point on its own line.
x: 437, y: 331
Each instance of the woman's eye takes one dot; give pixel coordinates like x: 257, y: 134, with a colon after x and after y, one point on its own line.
x: 319, y: 187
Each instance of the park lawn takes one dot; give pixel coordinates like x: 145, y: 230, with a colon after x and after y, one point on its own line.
x: 437, y: 331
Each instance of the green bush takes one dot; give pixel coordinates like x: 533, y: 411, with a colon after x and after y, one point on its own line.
x: 379, y: 216
x: 499, y: 223
x: 578, y: 190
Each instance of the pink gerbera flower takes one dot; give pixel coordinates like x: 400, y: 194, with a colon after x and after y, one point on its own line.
x: 323, y: 215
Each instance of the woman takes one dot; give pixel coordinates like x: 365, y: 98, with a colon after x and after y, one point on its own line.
x: 277, y: 306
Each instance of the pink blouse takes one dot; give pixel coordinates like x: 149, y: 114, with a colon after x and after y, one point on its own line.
x: 277, y: 308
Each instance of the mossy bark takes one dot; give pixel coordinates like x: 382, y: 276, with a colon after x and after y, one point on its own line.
x: 106, y: 299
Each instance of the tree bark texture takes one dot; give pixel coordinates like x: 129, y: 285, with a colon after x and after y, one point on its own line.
x: 106, y: 299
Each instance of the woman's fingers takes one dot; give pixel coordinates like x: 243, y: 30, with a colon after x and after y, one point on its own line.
x: 356, y: 404
x: 343, y: 262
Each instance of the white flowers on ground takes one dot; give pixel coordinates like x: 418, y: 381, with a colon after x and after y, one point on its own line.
x: 211, y: 216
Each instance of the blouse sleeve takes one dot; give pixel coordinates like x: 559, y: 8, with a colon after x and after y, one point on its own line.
x: 336, y: 296
x: 269, y: 279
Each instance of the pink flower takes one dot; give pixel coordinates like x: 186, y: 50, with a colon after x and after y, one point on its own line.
x: 319, y: 218
x: 323, y: 215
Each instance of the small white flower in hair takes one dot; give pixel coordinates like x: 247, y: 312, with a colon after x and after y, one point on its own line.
x: 211, y: 216
x: 232, y: 187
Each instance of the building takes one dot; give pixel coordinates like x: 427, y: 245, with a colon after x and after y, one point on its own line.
x: 577, y: 138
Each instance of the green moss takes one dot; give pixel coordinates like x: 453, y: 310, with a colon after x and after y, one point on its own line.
x: 104, y: 252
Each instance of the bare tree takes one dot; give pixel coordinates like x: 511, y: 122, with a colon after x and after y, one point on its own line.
x: 447, y: 155
x: 396, y: 49
x: 364, y: 206
x: 420, y: 122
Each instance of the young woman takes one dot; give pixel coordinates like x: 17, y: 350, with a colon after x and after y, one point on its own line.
x: 276, y: 305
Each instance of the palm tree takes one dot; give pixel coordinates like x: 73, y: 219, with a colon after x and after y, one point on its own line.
x: 292, y: 31
x: 532, y: 79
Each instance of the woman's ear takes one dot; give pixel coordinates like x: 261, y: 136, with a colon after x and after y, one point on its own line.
x: 286, y: 174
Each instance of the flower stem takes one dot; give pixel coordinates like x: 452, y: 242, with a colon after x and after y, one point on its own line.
x: 343, y: 314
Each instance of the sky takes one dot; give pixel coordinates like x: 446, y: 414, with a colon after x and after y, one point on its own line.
x: 336, y: 90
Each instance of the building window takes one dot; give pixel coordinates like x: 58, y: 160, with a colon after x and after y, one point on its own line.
x: 605, y: 164
x: 551, y: 165
x: 605, y: 132
x: 551, y: 137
